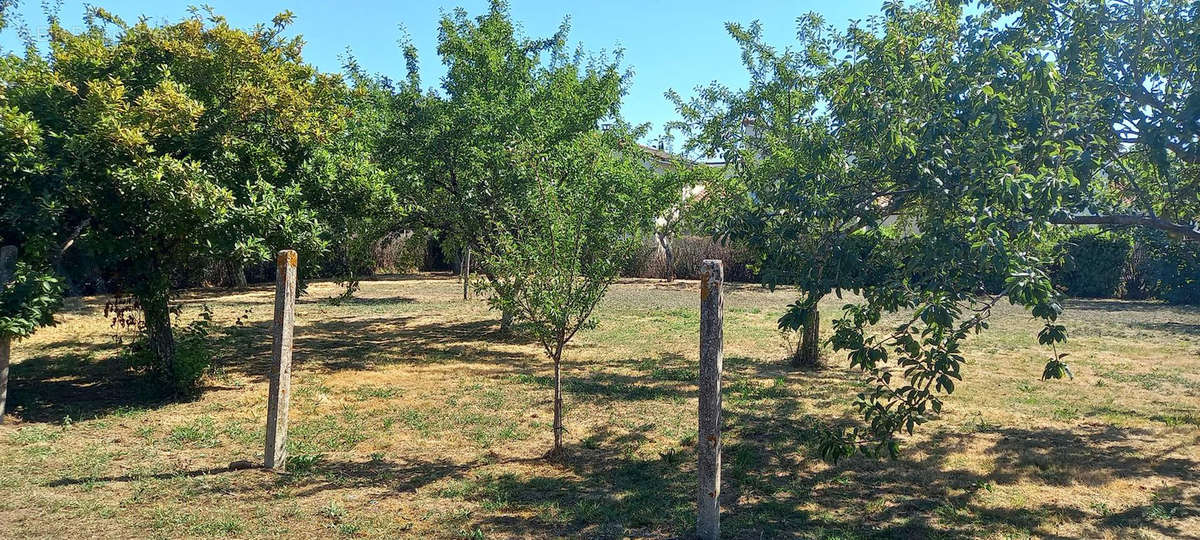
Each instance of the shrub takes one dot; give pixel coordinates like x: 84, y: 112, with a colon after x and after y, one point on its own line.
x: 1094, y: 263
x: 649, y: 261
x: 1134, y: 265
x: 1138, y: 281
x: 193, y: 355
x: 1175, y: 267
x: 400, y: 253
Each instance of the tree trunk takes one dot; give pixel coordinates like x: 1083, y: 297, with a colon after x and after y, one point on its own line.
x: 557, y: 452
x: 508, y: 313
x: 808, y: 353
x: 506, y: 320
x: 157, y: 312
x: 8, y: 261
x: 669, y: 271
x: 239, y: 275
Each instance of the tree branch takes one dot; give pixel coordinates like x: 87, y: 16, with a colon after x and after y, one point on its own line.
x: 1189, y: 231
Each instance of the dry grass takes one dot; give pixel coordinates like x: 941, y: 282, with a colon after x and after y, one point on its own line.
x: 412, y: 418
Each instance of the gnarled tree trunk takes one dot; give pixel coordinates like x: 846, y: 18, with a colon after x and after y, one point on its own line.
x: 156, y: 310
x: 808, y: 352
x: 506, y: 320
x: 665, y: 242
x: 239, y: 275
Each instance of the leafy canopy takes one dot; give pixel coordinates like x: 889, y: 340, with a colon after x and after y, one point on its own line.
x: 167, y: 142
x: 1130, y: 70
x: 505, y: 100
x: 592, y: 203
x: 904, y: 158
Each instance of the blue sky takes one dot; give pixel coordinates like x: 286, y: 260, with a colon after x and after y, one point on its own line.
x: 669, y: 44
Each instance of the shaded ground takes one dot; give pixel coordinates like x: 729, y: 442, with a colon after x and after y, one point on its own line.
x: 412, y: 418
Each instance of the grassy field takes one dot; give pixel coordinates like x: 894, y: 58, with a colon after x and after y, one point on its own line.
x: 412, y: 418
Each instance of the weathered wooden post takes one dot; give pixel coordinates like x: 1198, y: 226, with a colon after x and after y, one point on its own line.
x: 8, y: 261
x: 708, y: 439
x: 5, y: 351
x: 281, y: 356
x: 466, y: 270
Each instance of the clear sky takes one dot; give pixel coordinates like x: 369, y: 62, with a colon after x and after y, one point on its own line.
x: 669, y: 44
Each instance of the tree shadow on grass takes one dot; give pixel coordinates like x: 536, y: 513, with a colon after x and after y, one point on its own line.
x: 53, y: 388
x: 931, y: 492
x: 84, y: 380
x: 1170, y: 327
x: 1141, y: 306
x: 773, y: 486
x: 359, y: 301
x: 397, y: 477
x: 191, y: 473
x: 350, y: 343
x: 597, y: 386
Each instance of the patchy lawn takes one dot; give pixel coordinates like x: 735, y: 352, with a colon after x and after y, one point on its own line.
x: 411, y: 417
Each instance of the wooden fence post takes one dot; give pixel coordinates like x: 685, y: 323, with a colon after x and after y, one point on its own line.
x: 466, y: 270
x: 5, y: 351
x: 708, y: 439
x: 8, y: 261
x: 281, y: 356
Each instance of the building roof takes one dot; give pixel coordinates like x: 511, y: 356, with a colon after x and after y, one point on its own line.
x: 664, y: 157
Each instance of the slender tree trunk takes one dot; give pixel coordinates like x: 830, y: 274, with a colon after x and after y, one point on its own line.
x: 508, y: 314
x: 239, y: 275
x: 808, y: 353
x: 157, y: 312
x: 558, y: 423
x: 669, y: 271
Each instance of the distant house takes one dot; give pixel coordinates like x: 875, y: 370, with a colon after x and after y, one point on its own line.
x: 660, y: 160
x: 666, y: 226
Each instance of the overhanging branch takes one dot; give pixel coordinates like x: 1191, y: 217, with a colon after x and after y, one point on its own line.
x: 1189, y: 231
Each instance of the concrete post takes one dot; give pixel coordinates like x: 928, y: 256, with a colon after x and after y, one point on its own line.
x: 708, y: 440
x: 466, y: 270
x: 281, y: 356
x: 8, y: 261
x: 5, y: 351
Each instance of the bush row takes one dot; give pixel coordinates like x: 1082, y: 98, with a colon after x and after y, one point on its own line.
x: 650, y: 261
x: 1130, y: 265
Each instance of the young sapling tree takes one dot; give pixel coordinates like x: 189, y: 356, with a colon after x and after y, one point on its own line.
x: 592, y: 202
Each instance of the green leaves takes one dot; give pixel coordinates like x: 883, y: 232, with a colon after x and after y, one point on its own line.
x: 28, y: 301
x: 1056, y: 369
x: 916, y: 158
x: 1052, y: 334
x: 594, y: 200
x: 793, y: 318
x: 506, y: 103
x: 154, y: 149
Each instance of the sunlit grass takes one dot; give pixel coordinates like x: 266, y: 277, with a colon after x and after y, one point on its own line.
x: 412, y: 417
